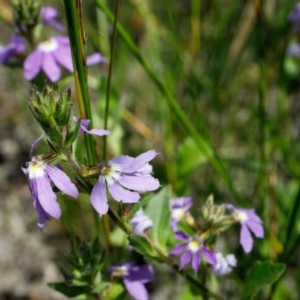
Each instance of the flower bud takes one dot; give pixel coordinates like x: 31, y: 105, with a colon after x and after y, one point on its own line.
x: 52, y: 109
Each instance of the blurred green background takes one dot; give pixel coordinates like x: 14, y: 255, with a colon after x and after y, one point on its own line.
x: 225, y: 65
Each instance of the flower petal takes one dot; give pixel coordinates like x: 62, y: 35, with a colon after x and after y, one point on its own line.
x: 139, y: 183
x: 136, y: 289
x: 33, y: 64
x: 94, y: 59
x: 246, y: 239
x: 141, y: 160
x: 43, y: 216
x: 185, y: 259
x: 64, y: 57
x: 50, y: 67
x: 99, y: 198
x: 121, y: 194
x: 256, y: 228
x: 62, y: 181
x: 178, y: 249
x: 142, y: 273
x: 95, y: 131
x: 196, y: 261
x: 41, y: 189
x: 180, y: 235
x: 209, y: 256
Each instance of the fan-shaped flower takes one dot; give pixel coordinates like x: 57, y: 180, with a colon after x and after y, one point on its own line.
x: 126, y: 178
x: 224, y: 264
x: 250, y: 222
x: 179, y: 208
x: 16, y: 46
x: 134, y: 278
x: 50, y: 55
x: 40, y: 176
x: 191, y: 251
x: 140, y: 222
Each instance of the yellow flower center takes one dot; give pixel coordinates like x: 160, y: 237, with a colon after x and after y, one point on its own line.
x: 36, y: 169
x: 48, y: 45
x: 194, y: 245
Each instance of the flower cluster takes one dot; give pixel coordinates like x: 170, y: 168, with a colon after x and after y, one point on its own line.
x: 125, y: 178
x: 215, y: 219
x: 49, y: 55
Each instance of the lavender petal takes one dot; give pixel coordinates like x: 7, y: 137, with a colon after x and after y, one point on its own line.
x: 42, y: 191
x: 246, y: 239
x: 99, y: 198
x: 62, y: 181
x: 50, y: 67
x: 139, y: 183
x: 136, y: 289
x: 33, y: 64
x: 185, y: 259
x: 121, y: 194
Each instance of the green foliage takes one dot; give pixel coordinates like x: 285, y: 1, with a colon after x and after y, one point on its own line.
x: 158, y: 210
x: 260, y: 275
x: 83, y: 277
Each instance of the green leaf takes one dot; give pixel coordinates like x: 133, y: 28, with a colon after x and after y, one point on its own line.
x: 115, y: 291
x: 158, y: 211
x: 140, y: 244
x: 67, y: 289
x: 190, y: 156
x: 260, y: 275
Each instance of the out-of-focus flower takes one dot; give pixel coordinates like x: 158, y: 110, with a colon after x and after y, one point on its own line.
x: 250, y: 222
x: 224, y: 264
x: 40, y: 175
x: 85, y: 125
x: 294, y: 18
x: 49, y: 16
x: 293, y: 50
x: 49, y: 55
x: 125, y: 177
x: 179, y: 208
x: 134, y: 278
x: 191, y: 251
x: 16, y: 46
x: 294, y: 15
x: 140, y: 222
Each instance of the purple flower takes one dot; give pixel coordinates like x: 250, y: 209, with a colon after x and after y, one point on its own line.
x: 224, y: 264
x: 250, y: 222
x: 135, y: 278
x: 294, y: 15
x: 140, y: 222
x: 50, y: 55
x: 294, y: 50
x: 125, y: 177
x: 49, y: 17
x: 15, y: 47
x: 40, y: 175
x: 179, y: 208
x: 85, y: 125
x: 294, y: 18
x: 191, y: 251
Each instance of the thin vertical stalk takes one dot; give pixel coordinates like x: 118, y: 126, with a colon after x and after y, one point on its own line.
x: 73, y: 16
x: 106, y: 113
x: 75, y: 29
x: 195, y: 28
x: 105, y: 219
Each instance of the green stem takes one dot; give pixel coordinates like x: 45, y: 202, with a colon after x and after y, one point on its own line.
x: 200, y: 141
x: 106, y: 114
x: 73, y: 16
